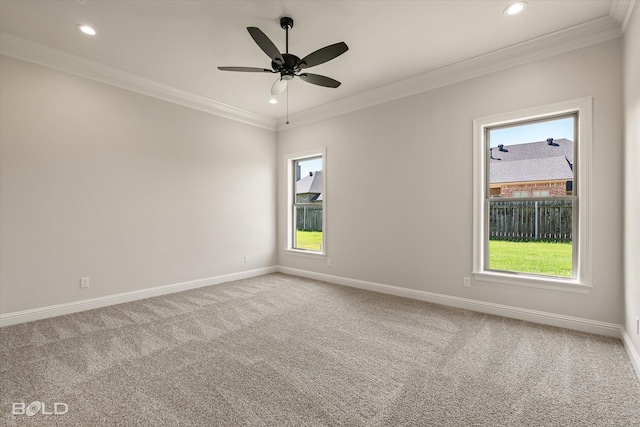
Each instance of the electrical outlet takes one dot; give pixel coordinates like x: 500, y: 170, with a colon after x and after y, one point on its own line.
x: 84, y: 282
x: 328, y: 262
x: 246, y: 259
x: 467, y: 282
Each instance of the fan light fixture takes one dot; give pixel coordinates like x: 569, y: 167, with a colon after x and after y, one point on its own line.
x: 86, y: 29
x: 515, y: 8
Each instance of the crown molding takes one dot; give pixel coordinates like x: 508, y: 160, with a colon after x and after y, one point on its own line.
x: 620, y: 11
x: 576, y: 37
x: 25, y: 50
x: 583, y: 35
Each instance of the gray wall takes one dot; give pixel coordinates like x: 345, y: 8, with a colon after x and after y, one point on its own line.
x: 134, y: 192
x: 128, y: 190
x: 409, y: 164
x: 632, y: 176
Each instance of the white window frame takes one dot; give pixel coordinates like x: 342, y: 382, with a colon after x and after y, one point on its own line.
x: 581, y: 282
x: 291, y: 189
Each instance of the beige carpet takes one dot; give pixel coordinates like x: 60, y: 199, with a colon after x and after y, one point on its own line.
x: 279, y: 350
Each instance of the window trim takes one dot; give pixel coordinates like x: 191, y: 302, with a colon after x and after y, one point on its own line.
x: 581, y: 283
x: 290, y: 188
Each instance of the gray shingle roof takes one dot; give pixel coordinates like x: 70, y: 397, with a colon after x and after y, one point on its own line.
x: 534, y: 161
x: 548, y: 169
x: 535, y: 150
x: 310, y: 184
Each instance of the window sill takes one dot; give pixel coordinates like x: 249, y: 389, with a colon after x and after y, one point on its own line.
x: 551, y: 283
x: 309, y: 254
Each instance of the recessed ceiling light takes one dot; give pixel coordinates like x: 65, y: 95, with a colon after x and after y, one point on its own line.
x: 515, y: 8
x: 273, y: 101
x: 86, y: 29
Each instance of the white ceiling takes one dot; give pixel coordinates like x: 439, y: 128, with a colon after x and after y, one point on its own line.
x: 179, y: 44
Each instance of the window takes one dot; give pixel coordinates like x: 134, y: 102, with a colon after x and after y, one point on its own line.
x: 543, y: 193
x: 531, y: 204
x: 306, y: 200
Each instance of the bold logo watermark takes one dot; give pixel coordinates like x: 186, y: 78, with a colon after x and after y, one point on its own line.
x: 21, y: 408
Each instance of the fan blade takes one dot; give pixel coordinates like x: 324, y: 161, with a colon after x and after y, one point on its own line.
x: 246, y: 69
x: 319, y: 80
x: 266, y: 44
x: 323, y: 55
x: 278, y: 87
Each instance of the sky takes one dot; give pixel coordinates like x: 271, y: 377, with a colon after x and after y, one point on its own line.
x: 307, y: 166
x: 556, y: 129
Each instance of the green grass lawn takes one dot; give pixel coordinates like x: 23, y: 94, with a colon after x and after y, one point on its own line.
x: 309, y: 240
x: 553, y: 259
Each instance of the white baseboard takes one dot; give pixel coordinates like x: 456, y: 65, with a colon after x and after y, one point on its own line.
x: 89, y: 304
x: 631, y: 350
x: 552, y: 319
x: 575, y: 323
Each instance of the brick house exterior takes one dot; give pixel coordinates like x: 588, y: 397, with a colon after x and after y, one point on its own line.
x: 535, y: 169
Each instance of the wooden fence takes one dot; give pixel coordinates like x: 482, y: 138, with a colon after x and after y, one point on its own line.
x: 549, y: 220
x: 309, y: 218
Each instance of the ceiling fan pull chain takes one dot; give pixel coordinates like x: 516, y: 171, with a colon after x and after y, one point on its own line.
x: 287, y: 104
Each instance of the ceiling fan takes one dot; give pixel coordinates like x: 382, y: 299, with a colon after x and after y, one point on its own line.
x: 289, y: 65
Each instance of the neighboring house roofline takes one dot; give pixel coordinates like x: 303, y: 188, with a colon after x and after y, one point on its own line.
x: 310, y: 184
x: 550, y: 160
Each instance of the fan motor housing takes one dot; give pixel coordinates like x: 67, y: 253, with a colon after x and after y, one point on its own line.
x: 290, y: 64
